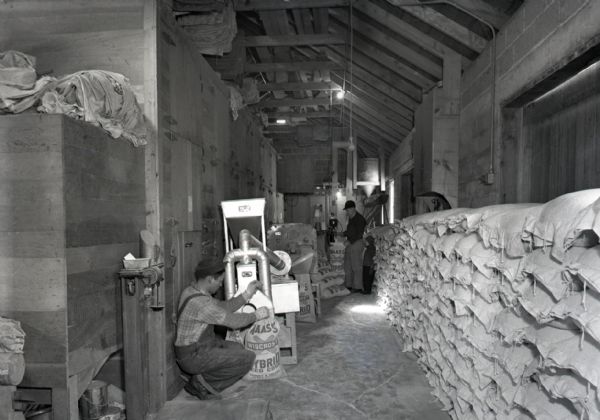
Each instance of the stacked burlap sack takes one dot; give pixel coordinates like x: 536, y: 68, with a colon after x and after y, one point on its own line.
x: 330, y: 275
x: 501, y: 304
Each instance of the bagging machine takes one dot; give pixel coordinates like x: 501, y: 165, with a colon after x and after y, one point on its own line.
x: 249, y: 259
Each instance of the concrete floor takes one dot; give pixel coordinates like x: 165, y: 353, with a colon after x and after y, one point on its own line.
x: 350, y: 366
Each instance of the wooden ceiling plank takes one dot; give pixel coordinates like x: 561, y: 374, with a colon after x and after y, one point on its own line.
x: 360, y: 131
x: 381, y: 55
x: 363, y: 131
x: 369, y: 29
x: 274, y: 103
x: 385, y: 13
x: 374, y: 96
x: 321, y: 16
x: 394, y: 136
x: 257, y: 5
x: 377, y: 75
x: 444, y: 25
x: 414, y: 29
x: 291, y: 66
x: 311, y: 114
x: 466, y: 20
x: 293, y: 40
x: 497, y: 18
x: 379, y: 113
x: 290, y: 86
x: 393, y: 130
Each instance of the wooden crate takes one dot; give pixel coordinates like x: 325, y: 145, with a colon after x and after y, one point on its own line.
x: 75, y: 205
x: 287, y: 338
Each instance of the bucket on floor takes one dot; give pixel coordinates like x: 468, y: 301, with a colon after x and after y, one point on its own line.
x: 94, y: 401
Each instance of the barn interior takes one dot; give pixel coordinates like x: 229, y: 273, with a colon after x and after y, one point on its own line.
x: 465, y: 131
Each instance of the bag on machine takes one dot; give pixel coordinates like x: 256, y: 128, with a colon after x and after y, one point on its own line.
x: 262, y: 339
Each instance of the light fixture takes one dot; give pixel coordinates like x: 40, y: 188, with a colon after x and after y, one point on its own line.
x: 281, y: 121
x: 340, y: 94
x: 351, y: 146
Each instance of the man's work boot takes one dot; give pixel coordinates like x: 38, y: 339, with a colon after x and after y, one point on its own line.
x: 195, y: 388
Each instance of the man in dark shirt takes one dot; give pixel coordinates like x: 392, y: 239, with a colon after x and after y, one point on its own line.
x: 353, y: 255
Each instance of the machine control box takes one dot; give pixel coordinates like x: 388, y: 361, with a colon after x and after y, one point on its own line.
x: 285, y: 294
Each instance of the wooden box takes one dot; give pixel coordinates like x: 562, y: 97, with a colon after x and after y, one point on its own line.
x: 72, y: 203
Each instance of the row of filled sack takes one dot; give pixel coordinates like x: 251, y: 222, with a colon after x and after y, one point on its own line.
x: 430, y: 300
x: 495, y: 317
x: 513, y: 358
x: 566, y: 283
x: 569, y: 220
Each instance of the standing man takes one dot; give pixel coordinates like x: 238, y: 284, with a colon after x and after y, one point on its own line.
x: 353, y: 254
x: 199, y: 351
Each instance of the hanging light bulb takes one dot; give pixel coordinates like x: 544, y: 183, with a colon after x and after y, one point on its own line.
x: 340, y: 94
x: 351, y: 146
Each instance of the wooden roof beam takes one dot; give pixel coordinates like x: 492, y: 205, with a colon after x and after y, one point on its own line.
x: 426, y: 17
x: 378, y: 113
x: 292, y: 40
x: 365, y: 132
x: 274, y: 103
x: 257, y: 5
x: 497, y: 18
x: 391, y: 18
x: 375, y: 74
x: 291, y: 66
x: 293, y: 86
x: 383, y: 130
x: 380, y: 54
x: 309, y: 114
x: 373, y: 31
x: 371, y: 95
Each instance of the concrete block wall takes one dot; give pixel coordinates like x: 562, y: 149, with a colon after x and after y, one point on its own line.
x: 540, y: 38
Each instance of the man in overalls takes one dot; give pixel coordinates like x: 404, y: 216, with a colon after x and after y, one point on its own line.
x: 213, y: 363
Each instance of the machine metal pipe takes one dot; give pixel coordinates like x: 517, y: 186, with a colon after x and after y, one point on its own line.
x: 242, y: 255
x: 248, y: 240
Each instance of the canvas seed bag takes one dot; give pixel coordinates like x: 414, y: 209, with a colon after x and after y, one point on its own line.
x: 262, y: 339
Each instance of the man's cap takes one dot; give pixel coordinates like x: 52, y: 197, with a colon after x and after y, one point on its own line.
x: 349, y: 204
x: 209, y: 267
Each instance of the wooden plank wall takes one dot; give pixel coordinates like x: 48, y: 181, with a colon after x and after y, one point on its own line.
x: 105, y: 211
x: 207, y: 158
x: 562, y: 129
x: 191, y: 119
x: 68, y: 35
x: 33, y: 285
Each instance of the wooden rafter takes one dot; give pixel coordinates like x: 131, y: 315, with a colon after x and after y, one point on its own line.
x: 380, y: 114
x: 384, y: 101
x: 424, y: 18
x: 378, y: 75
x: 298, y: 86
x: 380, y: 54
x: 496, y: 17
x: 291, y: 66
x: 394, y: 132
x: 371, y: 31
x: 310, y: 114
x: 256, y: 5
x: 275, y: 103
x: 387, y: 16
x: 292, y: 40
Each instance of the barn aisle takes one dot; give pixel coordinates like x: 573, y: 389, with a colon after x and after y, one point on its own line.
x: 350, y: 367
